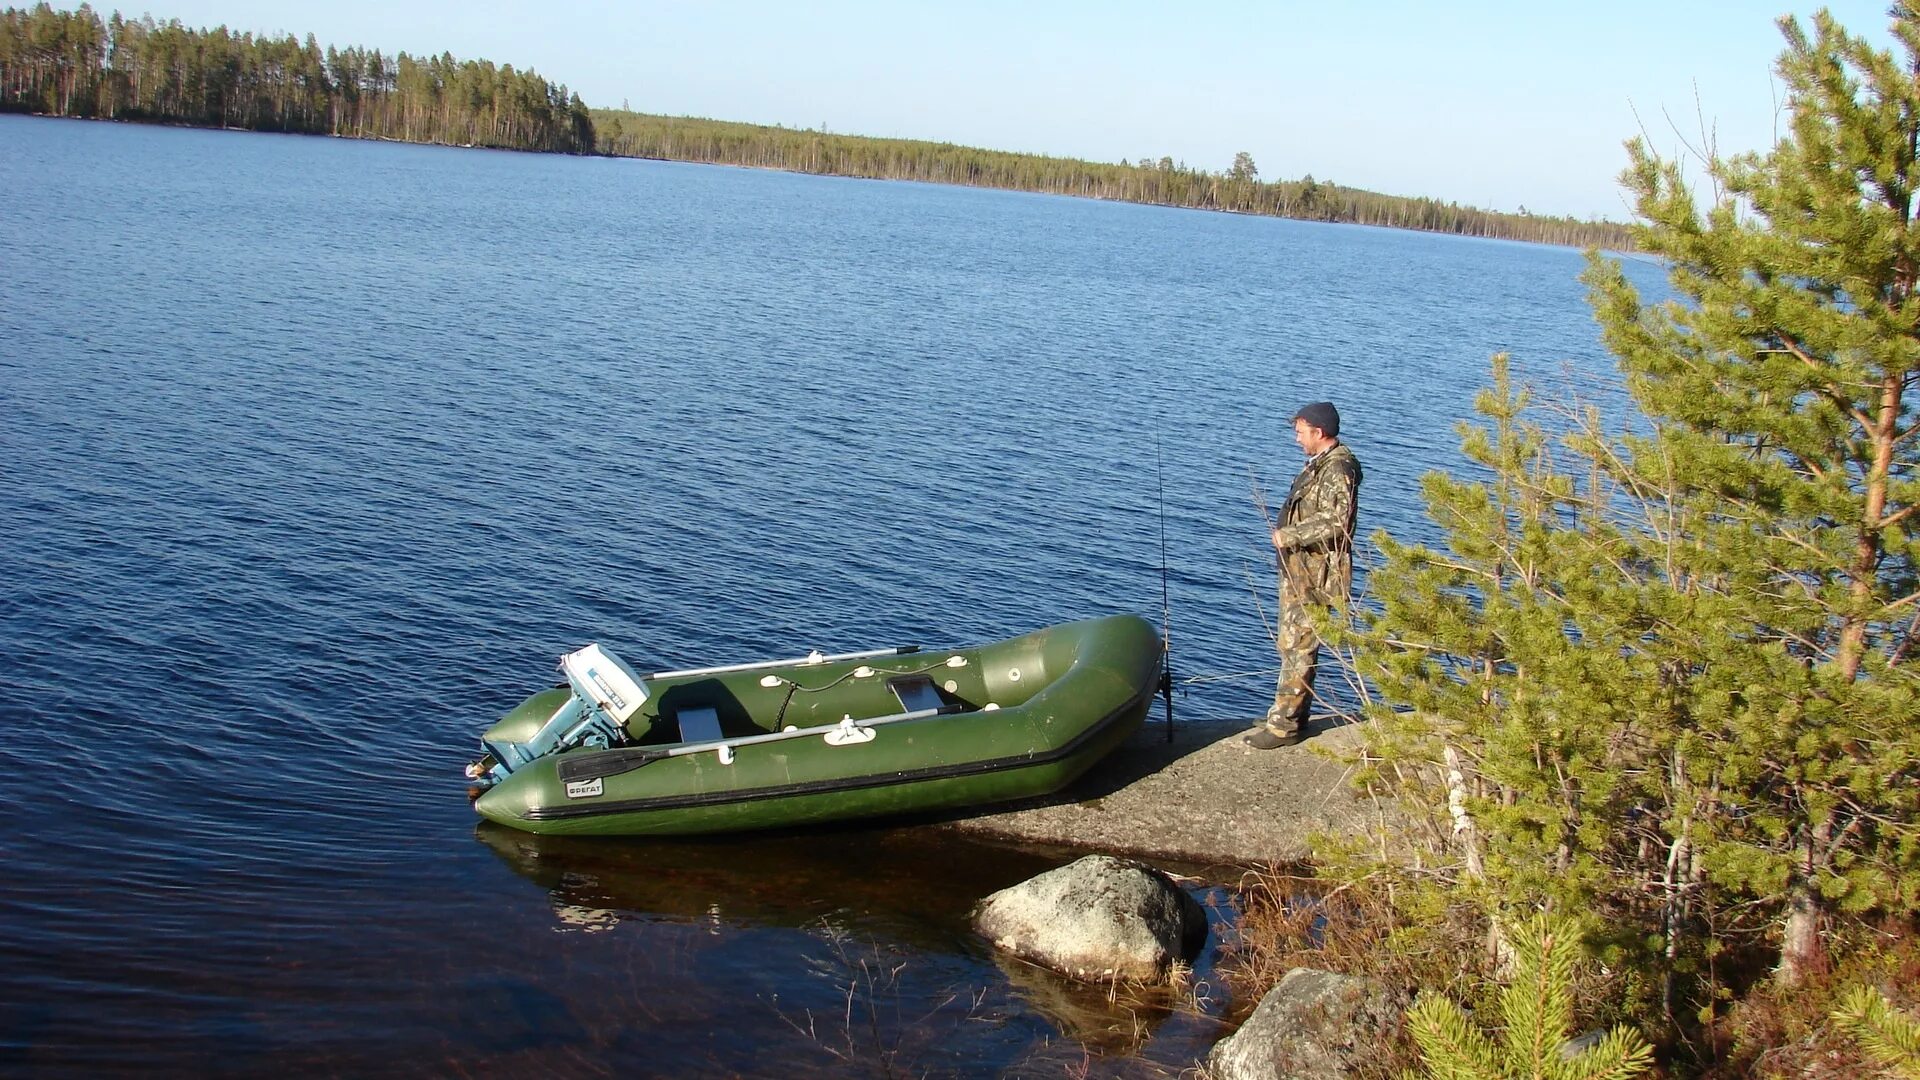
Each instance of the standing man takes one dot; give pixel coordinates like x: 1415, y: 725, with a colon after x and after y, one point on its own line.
x: 1315, y: 542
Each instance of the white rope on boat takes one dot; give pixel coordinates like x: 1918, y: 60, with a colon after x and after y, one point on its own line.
x: 809, y: 659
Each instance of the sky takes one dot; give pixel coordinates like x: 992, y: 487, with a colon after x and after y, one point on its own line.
x: 1499, y: 105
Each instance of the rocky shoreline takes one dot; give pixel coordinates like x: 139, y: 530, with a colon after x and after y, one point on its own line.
x: 1203, y: 799
x: 1218, y: 808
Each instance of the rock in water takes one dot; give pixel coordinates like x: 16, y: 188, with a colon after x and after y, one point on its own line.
x: 1313, y: 1025
x: 1097, y: 919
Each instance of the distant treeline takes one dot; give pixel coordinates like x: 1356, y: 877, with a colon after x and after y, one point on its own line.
x: 72, y: 64
x: 1161, y: 182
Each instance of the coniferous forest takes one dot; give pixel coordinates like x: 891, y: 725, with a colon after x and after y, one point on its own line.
x: 75, y: 64
x: 1160, y: 182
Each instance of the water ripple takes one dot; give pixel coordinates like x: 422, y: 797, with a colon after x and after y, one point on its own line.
x: 317, y: 454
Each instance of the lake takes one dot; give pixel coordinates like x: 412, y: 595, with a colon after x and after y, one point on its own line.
x: 315, y: 454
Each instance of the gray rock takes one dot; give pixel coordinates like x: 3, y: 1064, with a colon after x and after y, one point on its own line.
x: 1097, y: 919
x: 1313, y: 1025
x: 1201, y: 797
x: 1573, y: 1048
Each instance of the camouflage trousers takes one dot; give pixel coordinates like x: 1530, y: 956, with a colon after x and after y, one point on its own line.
x: 1299, y: 648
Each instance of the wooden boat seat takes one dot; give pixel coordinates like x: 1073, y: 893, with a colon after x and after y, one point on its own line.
x: 699, y: 725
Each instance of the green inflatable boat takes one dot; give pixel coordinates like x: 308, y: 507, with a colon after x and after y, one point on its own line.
x: 822, y: 738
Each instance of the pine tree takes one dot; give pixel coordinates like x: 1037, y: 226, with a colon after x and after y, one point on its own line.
x: 1527, y: 662
x: 1667, y: 677
x: 1783, y: 384
x: 1536, y: 1013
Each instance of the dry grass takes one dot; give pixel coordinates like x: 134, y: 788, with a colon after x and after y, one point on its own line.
x: 1776, y: 1034
x: 883, y: 1023
x: 1292, y: 919
x: 1373, y: 927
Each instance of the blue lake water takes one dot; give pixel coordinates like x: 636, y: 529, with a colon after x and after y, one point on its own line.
x: 315, y: 454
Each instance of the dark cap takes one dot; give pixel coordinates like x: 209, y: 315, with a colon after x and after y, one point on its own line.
x: 1321, y: 414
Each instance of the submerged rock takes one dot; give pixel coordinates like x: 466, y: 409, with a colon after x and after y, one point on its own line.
x: 1313, y: 1025
x: 1097, y: 919
x: 1090, y: 1014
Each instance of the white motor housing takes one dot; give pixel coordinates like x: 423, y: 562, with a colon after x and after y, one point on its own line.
x: 605, y: 680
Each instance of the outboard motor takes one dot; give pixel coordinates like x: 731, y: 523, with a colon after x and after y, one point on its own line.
x: 606, y: 694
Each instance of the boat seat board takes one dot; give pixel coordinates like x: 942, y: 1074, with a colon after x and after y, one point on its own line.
x: 699, y: 725
x: 918, y: 694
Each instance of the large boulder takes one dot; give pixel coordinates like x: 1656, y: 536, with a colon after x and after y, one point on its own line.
x: 1313, y: 1025
x: 1097, y: 919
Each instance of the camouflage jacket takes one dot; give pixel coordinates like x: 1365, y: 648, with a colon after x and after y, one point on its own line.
x: 1316, y: 528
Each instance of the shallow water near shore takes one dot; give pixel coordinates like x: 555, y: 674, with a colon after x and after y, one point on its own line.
x: 316, y: 454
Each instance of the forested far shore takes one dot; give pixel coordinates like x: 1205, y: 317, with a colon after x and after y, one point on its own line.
x: 75, y: 64
x: 1159, y: 182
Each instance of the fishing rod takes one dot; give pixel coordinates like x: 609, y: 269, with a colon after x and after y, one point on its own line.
x: 1166, y: 608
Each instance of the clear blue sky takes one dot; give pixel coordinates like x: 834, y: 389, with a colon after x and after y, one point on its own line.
x: 1495, y: 104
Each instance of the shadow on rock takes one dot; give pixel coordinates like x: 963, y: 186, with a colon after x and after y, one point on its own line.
x: 1145, y: 753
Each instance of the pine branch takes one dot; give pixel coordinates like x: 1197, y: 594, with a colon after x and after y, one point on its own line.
x: 1890, y: 520
x: 1536, y: 1006
x: 1450, y: 1047
x: 1888, y: 1035
x: 1899, y: 653
x: 1833, y: 396
x: 1619, y: 1055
